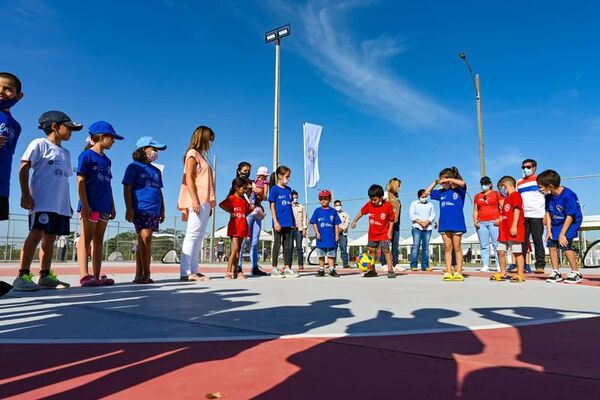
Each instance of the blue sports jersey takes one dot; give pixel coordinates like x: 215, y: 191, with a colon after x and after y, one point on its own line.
x: 282, y: 197
x: 146, y: 183
x: 10, y: 128
x: 326, y: 219
x: 96, y: 170
x: 452, y: 201
x: 561, y: 205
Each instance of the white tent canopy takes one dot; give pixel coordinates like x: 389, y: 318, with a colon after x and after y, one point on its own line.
x: 590, y: 222
x: 361, y: 241
x: 264, y: 235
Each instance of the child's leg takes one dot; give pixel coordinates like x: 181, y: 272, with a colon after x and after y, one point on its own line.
x: 331, y: 261
x: 28, y: 250
x: 520, y: 261
x: 554, y: 257
x: 233, y: 256
x: 388, y: 259
x: 457, y: 246
x: 97, y: 239
x: 322, y: 262
x: 46, y: 251
x: 83, y: 247
x: 287, y: 247
x: 139, y: 270
x: 145, y: 247
x: 276, y: 246
x: 502, y: 262
x: 570, y: 254
x: 447, y: 238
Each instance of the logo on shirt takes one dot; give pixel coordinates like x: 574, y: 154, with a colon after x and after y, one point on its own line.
x: 559, y: 208
x: 455, y: 196
x: 43, y: 219
x: 443, y: 204
x: 331, y: 218
x: 58, y: 172
x: 507, y: 207
x: 382, y: 216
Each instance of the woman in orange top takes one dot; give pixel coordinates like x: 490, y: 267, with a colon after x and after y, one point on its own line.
x: 196, y: 201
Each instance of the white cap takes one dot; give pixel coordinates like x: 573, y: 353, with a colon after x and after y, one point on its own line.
x: 262, y: 171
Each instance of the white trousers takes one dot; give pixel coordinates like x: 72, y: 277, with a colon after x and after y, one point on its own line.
x: 192, y: 243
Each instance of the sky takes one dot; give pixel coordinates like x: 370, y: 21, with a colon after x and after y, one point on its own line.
x: 382, y: 77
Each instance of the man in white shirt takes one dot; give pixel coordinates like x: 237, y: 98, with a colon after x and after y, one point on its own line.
x: 343, y: 241
x: 299, y: 232
x: 422, y: 216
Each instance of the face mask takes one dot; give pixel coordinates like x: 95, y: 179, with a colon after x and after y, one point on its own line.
x: 244, y: 174
x: 338, y: 208
x: 8, y: 103
x: 423, y: 199
x: 485, y: 188
x: 527, y: 172
x: 503, y: 192
x: 295, y: 200
x: 153, y: 156
x: 285, y: 181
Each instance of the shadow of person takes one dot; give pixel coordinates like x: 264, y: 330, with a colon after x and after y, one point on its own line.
x: 384, y: 357
x: 129, y: 365
x: 562, y: 353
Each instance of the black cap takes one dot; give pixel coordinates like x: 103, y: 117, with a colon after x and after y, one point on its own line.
x: 50, y: 117
x: 485, y: 181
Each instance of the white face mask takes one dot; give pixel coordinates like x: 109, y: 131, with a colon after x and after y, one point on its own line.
x: 285, y: 181
x: 295, y: 200
x: 153, y: 156
x: 423, y: 199
x: 338, y: 208
x: 527, y: 172
x: 485, y: 188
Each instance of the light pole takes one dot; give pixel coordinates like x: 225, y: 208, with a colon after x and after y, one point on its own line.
x: 477, y: 86
x: 276, y: 35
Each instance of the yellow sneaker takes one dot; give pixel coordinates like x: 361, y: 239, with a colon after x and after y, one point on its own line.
x: 458, y: 277
x: 447, y: 277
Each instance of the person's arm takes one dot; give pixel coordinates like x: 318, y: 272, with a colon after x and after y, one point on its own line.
x: 390, y: 230
x: 190, y: 168
x: 317, y: 233
x: 457, y: 182
x: 26, y: 199
x: 431, y: 186
x: 225, y: 205
x: 276, y: 224
x: 358, y: 216
x: 432, y: 215
x: 412, y: 214
x: 127, y: 194
x: 548, y: 223
x: 162, y: 208
x: 513, y: 228
x: 113, y: 212
x: 475, y: 214
x: 337, y: 233
x: 304, y: 221
x: 562, y: 237
x: 85, y: 205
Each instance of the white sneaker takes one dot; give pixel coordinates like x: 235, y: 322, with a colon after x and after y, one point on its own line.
x: 399, y: 268
x: 573, y: 277
x: 289, y: 273
x: 484, y: 269
x: 276, y: 273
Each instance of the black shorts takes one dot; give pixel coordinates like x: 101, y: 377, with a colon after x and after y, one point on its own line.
x: 49, y: 222
x: 3, y: 208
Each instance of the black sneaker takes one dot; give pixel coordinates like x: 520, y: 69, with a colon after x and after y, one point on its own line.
x: 574, y: 277
x: 511, y: 268
x: 258, y: 272
x: 320, y: 273
x: 371, y: 273
x: 333, y: 274
x: 554, y: 277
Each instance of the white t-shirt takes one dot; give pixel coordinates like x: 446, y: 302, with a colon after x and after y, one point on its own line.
x: 49, y: 183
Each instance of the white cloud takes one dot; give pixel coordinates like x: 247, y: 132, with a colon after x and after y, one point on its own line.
x: 360, y: 68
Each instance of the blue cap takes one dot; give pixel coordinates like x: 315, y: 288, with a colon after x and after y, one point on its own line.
x: 50, y: 117
x: 148, y: 141
x: 105, y: 128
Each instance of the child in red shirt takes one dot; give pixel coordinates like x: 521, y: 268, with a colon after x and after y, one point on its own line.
x: 381, y: 223
x: 238, y: 207
x: 512, y: 230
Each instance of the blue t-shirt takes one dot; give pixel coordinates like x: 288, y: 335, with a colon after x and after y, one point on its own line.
x: 282, y: 197
x: 96, y: 170
x: 559, y: 207
x: 145, y: 181
x: 10, y: 128
x: 452, y: 201
x: 326, y: 220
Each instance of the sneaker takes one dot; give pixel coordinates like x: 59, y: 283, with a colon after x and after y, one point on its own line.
x: 88, y: 280
x: 427, y: 269
x: 399, y: 268
x: 276, y: 273
x: 290, y: 273
x: 25, y: 283
x: 370, y: 274
x: 574, y: 277
x: 391, y: 275
x: 458, y: 277
x: 334, y: 274
x: 106, y: 281
x: 51, y: 281
x: 511, y: 268
x: 414, y: 269
x: 527, y: 269
x: 554, y: 277
x: 320, y: 273
x: 484, y: 269
x: 258, y: 272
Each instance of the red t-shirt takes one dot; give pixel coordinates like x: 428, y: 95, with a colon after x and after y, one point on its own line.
x: 488, y: 208
x: 380, y: 218
x: 238, y: 226
x: 512, y: 202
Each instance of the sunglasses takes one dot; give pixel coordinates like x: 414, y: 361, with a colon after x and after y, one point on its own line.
x: 526, y: 166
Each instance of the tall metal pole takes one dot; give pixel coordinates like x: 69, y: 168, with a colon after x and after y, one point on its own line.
x: 276, y: 117
x: 480, y: 127
x: 214, y: 212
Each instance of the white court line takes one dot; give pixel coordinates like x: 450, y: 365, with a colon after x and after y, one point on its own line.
x: 298, y: 336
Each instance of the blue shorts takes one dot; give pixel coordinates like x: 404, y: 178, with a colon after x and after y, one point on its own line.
x: 555, y: 243
x: 145, y: 221
x: 50, y: 222
x: 330, y: 252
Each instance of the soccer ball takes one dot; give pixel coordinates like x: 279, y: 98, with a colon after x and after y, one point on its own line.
x: 365, y: 262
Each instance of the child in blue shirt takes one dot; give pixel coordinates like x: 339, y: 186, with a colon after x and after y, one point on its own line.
x: 96, y: 203
x: 145, y: 205
x: 280, y: 200
x: 563, y: 220
x: 452, y: 219
x: 325, y: 221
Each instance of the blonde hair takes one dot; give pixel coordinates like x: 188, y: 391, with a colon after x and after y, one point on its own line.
x: 393, y: 185
x: 201, y: 139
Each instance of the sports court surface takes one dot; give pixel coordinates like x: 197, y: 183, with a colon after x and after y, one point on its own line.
x: 308, y: 338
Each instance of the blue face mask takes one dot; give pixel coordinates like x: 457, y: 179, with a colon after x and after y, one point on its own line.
x: 503, y: 192
x: 8, y: 103
x: 527, y: 172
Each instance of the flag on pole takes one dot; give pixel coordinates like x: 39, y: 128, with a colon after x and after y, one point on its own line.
x: 312, y: 136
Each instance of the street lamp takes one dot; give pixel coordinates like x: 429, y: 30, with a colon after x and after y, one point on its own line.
x: 477, y: 86
x: 276, y: 35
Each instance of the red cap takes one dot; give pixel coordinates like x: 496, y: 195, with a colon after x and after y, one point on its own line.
x: 325, y: 193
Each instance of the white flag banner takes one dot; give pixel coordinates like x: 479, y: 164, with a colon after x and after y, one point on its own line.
x: 312, y: 136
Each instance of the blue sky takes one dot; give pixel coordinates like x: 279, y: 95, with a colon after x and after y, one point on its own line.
x: 383, y: 78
